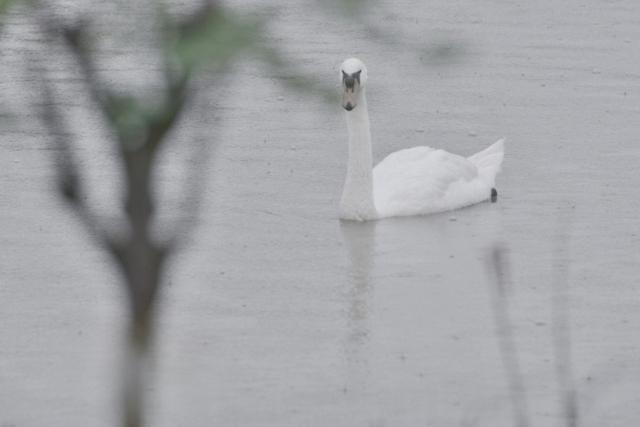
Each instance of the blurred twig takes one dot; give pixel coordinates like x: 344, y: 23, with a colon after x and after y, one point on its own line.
x: 68, y: 176
x: 4, y: 7
x: 500, y: 280
x: 291, y: 77
x: 561, y: 329
x: 435, y: 52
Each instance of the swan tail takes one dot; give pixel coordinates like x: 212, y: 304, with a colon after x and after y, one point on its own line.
x: 489, y: 161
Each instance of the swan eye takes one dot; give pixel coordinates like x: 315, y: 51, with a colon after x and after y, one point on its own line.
x: 350, y: 80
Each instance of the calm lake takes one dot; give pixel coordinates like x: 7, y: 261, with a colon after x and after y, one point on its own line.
x: 276, y: 313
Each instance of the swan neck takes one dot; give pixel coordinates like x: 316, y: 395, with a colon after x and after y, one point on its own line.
x: 357, y: 197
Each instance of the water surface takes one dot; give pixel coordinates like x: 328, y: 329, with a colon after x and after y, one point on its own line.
x: 277, y: 313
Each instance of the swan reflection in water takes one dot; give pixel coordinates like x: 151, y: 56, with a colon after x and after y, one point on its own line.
x: 359, y: 239
x: 402, y: 275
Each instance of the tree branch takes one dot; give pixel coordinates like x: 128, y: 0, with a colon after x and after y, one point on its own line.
x: 68, y: 175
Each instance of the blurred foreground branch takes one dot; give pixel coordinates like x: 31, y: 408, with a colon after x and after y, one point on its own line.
x: 560, y: 315
x: 209, y: 38
x: 500, y: 280
x: 498, y: 264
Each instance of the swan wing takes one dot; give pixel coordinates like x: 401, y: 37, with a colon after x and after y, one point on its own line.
x: 489, y: 161
x: 423, y: 180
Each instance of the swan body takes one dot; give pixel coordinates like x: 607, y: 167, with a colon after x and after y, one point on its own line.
x: 415, y: 181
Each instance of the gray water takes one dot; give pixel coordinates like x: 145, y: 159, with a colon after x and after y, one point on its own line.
x: 278, y: 314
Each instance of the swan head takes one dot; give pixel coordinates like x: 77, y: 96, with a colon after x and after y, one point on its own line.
x: 353, y: 74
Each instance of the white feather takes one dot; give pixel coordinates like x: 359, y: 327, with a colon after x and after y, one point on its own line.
x: 423, y: 180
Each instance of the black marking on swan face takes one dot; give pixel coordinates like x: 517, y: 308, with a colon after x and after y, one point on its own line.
x: 494, y: 195
x: 350, y: 79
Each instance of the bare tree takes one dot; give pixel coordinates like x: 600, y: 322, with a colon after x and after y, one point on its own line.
x: 211, y: 37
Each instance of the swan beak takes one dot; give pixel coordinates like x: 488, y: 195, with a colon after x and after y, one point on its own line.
x: 349, y: 100
x: 351, y: 86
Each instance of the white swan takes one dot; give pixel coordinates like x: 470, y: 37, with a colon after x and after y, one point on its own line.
x: 415, y: 181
